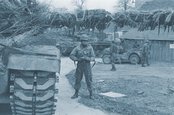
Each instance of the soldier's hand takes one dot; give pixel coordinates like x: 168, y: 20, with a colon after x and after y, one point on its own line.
x: 79, y: 59
x: 85, y: 58
x: 82, y: 57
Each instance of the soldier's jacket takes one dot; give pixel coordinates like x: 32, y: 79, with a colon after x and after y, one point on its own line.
x: 136, y: 45
x: 145, y: 49
x: 115, y: 48
x: 80, y: 52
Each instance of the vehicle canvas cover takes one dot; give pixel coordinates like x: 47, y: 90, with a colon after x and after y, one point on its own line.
x: 40, y: 58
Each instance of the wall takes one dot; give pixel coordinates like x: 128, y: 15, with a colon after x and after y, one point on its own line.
x: 160, y: 49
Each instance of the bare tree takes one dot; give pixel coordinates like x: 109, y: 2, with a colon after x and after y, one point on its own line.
x: 79, y: 11
x: 125, y: 4
x: 79, y: 3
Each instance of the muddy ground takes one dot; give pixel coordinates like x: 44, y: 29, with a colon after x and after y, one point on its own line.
x: 149, y: 90
x: 65, y: 105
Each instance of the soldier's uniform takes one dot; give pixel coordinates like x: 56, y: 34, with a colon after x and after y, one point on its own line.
x: 145, y: 54
x: 114, y: 50
x: 83, y: 56
x: 136, y: 45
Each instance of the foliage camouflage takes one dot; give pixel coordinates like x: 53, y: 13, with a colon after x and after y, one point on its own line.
x: 146, y: 20
x: 98, y: 19
x: 17, y: 17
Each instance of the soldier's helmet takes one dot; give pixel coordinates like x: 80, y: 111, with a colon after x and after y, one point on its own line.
x: 117, y: 40
x: 146, y: 41
x: 57, y: 45
x: 84, y: 38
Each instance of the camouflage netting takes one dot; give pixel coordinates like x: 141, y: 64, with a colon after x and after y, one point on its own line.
x: 17, y: 17
x: 46, y: 38
x: 22, y: 24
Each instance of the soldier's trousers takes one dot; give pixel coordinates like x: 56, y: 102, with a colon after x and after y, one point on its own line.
x: 145, y: 59
x: 83, y: 67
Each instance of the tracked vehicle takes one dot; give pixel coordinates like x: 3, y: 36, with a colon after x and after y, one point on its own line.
x: 31, y: 80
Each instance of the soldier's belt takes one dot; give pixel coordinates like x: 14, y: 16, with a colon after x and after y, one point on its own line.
x: 84, y: 61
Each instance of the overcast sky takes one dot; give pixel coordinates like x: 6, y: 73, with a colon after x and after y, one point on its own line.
x: 90, y: 4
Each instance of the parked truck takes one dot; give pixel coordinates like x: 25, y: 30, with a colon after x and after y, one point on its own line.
x: 132, y: 56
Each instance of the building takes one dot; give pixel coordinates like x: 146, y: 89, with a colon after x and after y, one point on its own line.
x: 162, y: 45
x: 150, y: 5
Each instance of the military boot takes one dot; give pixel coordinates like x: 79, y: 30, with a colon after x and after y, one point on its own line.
x: 75, y: 95
x: 91, y: 95
x: 113, y: 68
x: 143, y: 65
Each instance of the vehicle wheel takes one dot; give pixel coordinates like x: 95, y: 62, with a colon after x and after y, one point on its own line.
x: 106, y: 59
x: 134, y: 59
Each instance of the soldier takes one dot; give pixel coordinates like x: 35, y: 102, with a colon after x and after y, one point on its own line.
x: 58, y: 45
x: 115, y: 49
x: 83, y: 54
x: 145, y: 54
x: 136, y: 45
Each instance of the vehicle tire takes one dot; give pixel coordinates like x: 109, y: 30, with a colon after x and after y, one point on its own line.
x: 106, y: 59
x: 134, y: 59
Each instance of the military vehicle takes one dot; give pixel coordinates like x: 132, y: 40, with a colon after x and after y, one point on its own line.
x: 30, y: 78
x: 132, y: 55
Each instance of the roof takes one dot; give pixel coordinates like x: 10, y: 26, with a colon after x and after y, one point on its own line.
x: 157, y: 4
x: 149, y: 34
x: 35, y: 61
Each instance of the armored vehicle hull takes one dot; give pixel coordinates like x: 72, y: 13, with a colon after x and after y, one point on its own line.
x: 31, y: 80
